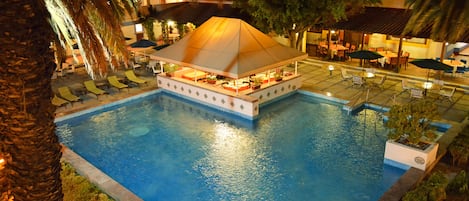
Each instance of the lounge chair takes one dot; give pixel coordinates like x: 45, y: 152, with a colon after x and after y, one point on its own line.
x: 133, y: 78
x: 66, y: 94
x: 59, y: 101
x: 91, y: 87
x: 113, y: 81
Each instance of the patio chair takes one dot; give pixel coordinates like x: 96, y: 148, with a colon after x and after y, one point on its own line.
x: 447, y: 93
x: 357, y: 81
x: 66, y: 94
x: 135, y: 65
x: 405, y: 85
x: 345, y: 75
x: 114, y: 82
x: 130, y: 75
x: 91, y: 87
x: 59, y: 101
x: 380, y: 83
x: 154, y: 66
x: 416, y: 93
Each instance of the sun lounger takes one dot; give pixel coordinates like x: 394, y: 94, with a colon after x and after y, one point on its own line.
x: 133, y: 78
x: 66, y: 94
x: 59, y: 101
x: 91, y: 87
x: 113, y: 81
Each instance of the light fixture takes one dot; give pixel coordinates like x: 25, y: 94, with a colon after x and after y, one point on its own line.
x: 138, y: 28
x: 170, y: 23
x: 427, y: 85
x: 328, y: 94
x: 331, y: 68
x: 2, y: 162
x: 332, y: 31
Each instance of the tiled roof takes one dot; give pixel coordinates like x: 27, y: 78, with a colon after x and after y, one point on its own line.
x: 390, y: 21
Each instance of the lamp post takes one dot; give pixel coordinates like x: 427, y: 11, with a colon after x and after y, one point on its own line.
x: 331, y: 68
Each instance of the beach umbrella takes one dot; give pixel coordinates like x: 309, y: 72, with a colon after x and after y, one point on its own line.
x: 431, y: 64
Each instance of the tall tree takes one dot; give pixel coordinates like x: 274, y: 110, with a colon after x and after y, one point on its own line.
x: 28, y: 143
x: 449, y: 19
x: 294, y: 17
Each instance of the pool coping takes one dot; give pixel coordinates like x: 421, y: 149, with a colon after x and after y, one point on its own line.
x: 97, y: 177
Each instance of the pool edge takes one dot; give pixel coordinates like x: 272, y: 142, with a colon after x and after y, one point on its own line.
x: 97, y: 177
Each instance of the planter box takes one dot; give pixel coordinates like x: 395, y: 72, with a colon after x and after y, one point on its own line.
x: 414, y: 157
x: 211, y: 81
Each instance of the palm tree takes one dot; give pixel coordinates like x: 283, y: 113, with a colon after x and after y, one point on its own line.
x: 28, y: 143
x: 449, y: 19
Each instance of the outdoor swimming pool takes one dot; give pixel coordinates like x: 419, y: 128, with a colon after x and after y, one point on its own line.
x: 163, y: 147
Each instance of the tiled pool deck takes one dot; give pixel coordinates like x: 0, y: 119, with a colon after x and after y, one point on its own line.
x: 316, y: 79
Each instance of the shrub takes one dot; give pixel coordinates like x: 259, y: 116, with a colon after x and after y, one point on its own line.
x: 78, y: 188
x: 460, y: 184
x: 433, y: 189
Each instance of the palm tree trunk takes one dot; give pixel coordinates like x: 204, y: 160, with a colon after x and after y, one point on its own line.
x: 27, y: 131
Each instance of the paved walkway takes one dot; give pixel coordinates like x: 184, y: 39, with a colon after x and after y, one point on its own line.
x: 316, y: 78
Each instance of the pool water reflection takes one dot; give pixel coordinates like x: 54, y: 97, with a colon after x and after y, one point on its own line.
x: 300, y: 148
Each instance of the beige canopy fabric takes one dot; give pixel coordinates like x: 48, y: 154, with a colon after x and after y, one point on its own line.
x: 228, y: 47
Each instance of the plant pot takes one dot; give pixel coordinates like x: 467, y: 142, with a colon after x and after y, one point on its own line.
x: 278, y: 79
x: 211, y: 81
x: 410, y: 155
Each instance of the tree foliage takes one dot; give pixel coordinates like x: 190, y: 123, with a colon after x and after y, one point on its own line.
x: 294, y: 17
x: 449, y: 18
x: 95, y: 26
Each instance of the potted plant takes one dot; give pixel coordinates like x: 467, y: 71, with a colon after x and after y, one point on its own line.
x: 170, y: 69
x: 257, y: 82
x: 278, y: 77
x: 411, y: 135
x: 410, y: 123
x: 211, y: 79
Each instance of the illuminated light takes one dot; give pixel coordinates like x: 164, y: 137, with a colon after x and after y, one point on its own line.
x: 331, y: 68
x: 138, y: 28
x: 328, y: 94
x: 364, y: 34
x: 2, y: 163
x: 369, y: 74
x: 446, y: 43
x: 332, y: 31
x: 427, y: 85
x: 170, y: 23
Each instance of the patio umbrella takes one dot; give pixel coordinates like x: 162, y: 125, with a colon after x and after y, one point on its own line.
x: 365, y: 54
x: 143, y: 43
x: 430, y: 64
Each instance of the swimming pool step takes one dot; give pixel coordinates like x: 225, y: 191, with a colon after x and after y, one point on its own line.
x: 353, y: 105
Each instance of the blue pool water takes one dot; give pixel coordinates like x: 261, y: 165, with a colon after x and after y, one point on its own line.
x: 166, y: 148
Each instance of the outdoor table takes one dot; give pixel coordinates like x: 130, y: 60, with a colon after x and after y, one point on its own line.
x: 386, y: 57
x: 453, y: 63
x: 334, y: 48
